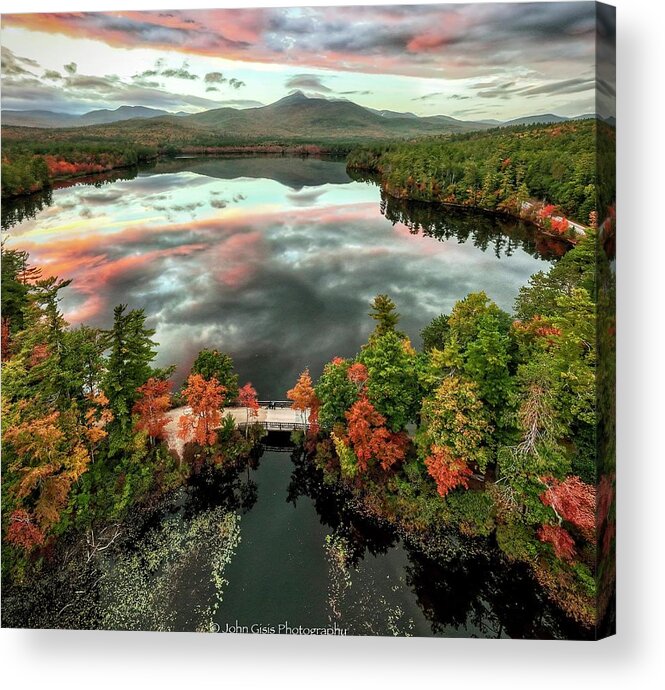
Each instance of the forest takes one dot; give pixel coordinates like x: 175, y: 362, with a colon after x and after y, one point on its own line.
x: 489, y: 429
x: 541, y: 173
x: 29, y: 166
x: 84, y: 417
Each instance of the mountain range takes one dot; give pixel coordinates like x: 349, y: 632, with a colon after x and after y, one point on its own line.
x: 294, y: 117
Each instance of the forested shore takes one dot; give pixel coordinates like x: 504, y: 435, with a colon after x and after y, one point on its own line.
x: 545, y: 174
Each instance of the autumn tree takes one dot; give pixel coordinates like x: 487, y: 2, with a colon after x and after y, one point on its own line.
x: 447, y: 471
x: 247, y: 397
x: 455, y: 419
x: 205, y: 398
x: 371, y: 439
x: 151, y: 407
x: 572, y: 500
x: 303, y: 395
x: 216, y: 364
x: 96, y: 419
x: 46, y: 465
x: 23, y: 532
x: 561, y: 541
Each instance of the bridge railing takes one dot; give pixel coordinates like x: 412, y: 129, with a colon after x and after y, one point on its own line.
x: 269, y: 425
x: 267, y: 404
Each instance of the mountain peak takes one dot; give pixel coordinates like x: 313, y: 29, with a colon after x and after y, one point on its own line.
x: 294, y: 97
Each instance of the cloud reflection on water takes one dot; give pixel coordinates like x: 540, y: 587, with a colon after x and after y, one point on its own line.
x: 280, y: 276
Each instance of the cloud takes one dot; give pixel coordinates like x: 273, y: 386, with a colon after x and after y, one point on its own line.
x: 71, y: 68
x: 14, y: 65
x: 236, y: 83
x: 456, y: 41
x: 307, y: 82
x: 179, y: 73
x: 52, y: 74
x: 559, y: 87
x: 214, y: 78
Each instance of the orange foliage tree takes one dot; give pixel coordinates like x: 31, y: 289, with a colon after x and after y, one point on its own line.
x: 447, y: 471
x: 370, y: 437
x: 205, y: 397
x: 49, y: 465
x: 358, y: 374
x: 97, y: 417
x: 152, y: 406
x: 247, y: 397
x: 303, y: 395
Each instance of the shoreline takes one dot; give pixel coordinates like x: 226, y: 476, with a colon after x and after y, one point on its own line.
x: 576, y: 228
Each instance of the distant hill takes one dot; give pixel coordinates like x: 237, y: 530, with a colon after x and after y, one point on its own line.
x: 124, y: 112
x: 298, y: 116
x: 48, y: 118
x: 547, y: 119
x: 38, y: 118
x: 295, y: 118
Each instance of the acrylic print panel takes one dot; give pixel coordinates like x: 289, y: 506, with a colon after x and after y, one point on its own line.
x: 308, y: 320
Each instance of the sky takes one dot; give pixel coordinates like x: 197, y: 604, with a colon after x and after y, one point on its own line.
x: 469, y: 61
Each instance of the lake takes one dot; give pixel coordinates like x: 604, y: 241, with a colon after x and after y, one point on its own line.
x: 275, y: 261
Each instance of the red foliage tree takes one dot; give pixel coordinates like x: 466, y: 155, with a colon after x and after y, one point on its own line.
x: 559, y: 225
x: 358, y: 374
x: 6, y: 340
x: 152, y: 406
x: 371, y: 439
x: 547, y: 211
x: 574, y: 501
x: 247, y: 397
x: 562, y: 542
x: 23, y: 532
x: 447, y: 471
x: 205, y: 397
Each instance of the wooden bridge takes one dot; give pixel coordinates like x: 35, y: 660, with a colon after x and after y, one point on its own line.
x: 272, y: 415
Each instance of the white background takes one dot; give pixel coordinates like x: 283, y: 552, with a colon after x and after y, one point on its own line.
x: 634, y: 658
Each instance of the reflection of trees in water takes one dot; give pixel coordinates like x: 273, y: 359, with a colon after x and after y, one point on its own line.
x: 464, y: 586
x: 164, y: 572
x: 335, y: 509
x: 229, y: 486
x: 15, y: 211
x: 21, y: 208
x: 485, y: 596
x: 485, y: 230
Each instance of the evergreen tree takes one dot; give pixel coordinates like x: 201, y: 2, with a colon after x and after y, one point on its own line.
x: 132, y: 351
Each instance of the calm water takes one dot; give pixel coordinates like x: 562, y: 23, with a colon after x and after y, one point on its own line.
x: 275, y: 261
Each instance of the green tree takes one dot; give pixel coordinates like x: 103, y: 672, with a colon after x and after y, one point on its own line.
x: 454, y: 418
x: 434, y: 335
x: 132, y: 351
x: 336, y: 392
x: 215, y: 364
x: 392, y: 386
x: 384, y: 312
